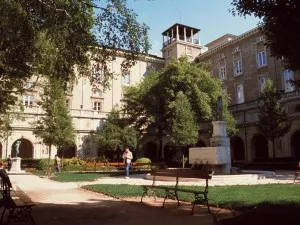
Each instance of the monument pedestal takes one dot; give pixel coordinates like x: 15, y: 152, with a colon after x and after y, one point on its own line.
x: 16, y: 165
x: 218, y: 155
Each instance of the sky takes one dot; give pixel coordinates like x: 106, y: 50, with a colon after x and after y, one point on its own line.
x: 210, y: 16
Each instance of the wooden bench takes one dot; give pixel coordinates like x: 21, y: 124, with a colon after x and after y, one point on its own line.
x: 18, y: 204
x: 297, y: 173
x: 200, y: 196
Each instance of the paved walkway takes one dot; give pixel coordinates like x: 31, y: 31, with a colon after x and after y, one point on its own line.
x: 66, y: 203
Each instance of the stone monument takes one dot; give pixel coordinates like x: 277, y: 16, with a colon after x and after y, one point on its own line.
x: 218, y: 155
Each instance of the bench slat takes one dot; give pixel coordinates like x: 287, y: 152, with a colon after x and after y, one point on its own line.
x: 165, y: 174
x: 195, y: 174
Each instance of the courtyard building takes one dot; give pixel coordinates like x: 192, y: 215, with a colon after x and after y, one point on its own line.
x: 243, y: 62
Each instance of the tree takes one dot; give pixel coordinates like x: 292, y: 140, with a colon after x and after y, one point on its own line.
x: 55, y: 127
x: 148, y: 103
x: 280, y: 25
x: 183, y: 126
x: 80, y: 36
x: 115, y: 134
x: 273, y: 121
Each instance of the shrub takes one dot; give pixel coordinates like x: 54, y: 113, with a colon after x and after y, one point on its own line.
x: 100, y: 158
x: 43, y: 163
x: 73, y: 161
x: 40, y: 164
x: 89, y: 159
x: 74, y: 167
x: 143, y: 160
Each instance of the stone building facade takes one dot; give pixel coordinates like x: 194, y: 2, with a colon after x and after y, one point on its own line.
x: 88, y: 107
x: 242, y: 62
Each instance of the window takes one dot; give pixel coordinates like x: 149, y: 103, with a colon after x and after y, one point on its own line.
x: 69, y: 90
x: 126, y: 79
x: 28, y: 100
x: 98, y: 72
x: 261, y: 59
x: 288, y: 75
x: 29, y: 85
x: 68, y: 103
x: 97, y: 106
x: 240, y: 93
x: 262, y: 82
x: 222, y: 72
x: 237, y: 67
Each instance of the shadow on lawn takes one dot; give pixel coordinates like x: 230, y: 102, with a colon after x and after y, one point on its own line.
x: 263, y: 214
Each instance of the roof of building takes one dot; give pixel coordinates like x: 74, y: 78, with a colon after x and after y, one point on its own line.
x: 233, y: 41
x: 220, y: 38
x: 180, y: 25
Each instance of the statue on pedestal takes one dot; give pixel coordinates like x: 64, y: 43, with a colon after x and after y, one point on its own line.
x: 18, y: 143
x: 219, y: 106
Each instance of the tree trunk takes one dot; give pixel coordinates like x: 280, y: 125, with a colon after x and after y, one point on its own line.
x: 49, y: 155
x: 273, y: 145
x: 62, y: 160
x: 160, y: 137
x: 160, y: 148
x: 182, y: 152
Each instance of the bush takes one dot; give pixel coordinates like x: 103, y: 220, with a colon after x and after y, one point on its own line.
x: 98, y: 159
x: 143, y: 160
x: 43, y: 163
x: 73, y: 161
x: 73, y: 167
x: 40, y: 164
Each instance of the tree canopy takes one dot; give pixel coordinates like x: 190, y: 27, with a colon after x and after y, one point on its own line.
x: 80, y: 36
x: 150, y: 105
x: 183, y: 127
x: 273, y: 120
x: 113, y: 135
x: 280, y: 25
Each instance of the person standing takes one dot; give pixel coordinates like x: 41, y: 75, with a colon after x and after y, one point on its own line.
x: 57, y: 163
x: 9, y: 163
x: 127, y: 156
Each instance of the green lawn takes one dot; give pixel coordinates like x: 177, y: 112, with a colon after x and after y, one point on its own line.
x: 240, y: 196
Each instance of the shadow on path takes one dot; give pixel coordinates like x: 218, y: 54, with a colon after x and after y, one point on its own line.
x: 111, y: 212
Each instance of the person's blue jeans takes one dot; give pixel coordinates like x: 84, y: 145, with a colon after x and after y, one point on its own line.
x: 127, y: 169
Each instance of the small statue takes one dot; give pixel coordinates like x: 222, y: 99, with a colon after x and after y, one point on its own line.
x: 219, y: 114
x: 18, y: 143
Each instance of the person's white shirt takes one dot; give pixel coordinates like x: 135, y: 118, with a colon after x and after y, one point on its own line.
x: 127, y: 155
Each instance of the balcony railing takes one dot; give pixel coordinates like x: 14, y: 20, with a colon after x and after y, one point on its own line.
x: 292, y: 94
x: 243, y: 106
x: 181, y: 38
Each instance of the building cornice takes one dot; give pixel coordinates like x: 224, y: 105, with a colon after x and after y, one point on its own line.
x: 235, y: 40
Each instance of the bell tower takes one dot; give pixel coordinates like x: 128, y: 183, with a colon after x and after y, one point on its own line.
x: 180, y: 40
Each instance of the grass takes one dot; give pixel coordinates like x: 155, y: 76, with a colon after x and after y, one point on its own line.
x: 240, y: 196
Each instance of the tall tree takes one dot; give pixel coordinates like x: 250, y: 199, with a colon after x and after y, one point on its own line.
x: 115, y: 134
x: 280, y: 25
x: 55, y: 127
x: 148, y: 103
x: 273, y: 121
x: 79, y: 36
x: 183, y: 126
